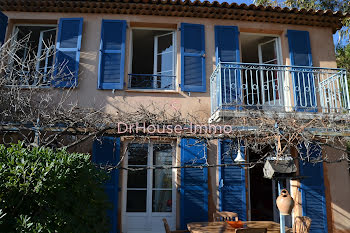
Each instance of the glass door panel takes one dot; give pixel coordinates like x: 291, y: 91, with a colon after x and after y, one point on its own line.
x: 270, y: 76
x: 164, y: 61
x: 162, y: 179
x: 137, y: 179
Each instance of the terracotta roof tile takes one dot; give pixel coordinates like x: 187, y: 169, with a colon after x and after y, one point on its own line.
x: 184, y: 8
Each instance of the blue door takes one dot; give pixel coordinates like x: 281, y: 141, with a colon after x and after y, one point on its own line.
x: 312, y: 188
x: 232, y: 190
x: 194, y: 182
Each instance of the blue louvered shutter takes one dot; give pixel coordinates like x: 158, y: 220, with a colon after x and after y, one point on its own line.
x: 112, y: 55
x: 3, y: 27
x: 193, y: 78
x: 303, y: 81
x: 227, y: 50
x: 68, y: 52
x: 194, y: 182
x: 107, y: 151
x: 313, y: 189
x: 232, y: 190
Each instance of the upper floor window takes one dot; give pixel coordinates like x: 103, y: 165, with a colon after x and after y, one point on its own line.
x: 32, y: 59
x: 153, y: 59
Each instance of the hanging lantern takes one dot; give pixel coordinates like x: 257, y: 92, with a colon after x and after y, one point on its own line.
x: 239, y: 158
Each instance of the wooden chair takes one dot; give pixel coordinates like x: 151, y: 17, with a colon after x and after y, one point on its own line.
x: 301, y: 224
x: 251, y: 230
x: 167, y: 228
x: 225, y: 216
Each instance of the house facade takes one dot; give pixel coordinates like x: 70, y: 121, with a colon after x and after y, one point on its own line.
x: 209, y: 60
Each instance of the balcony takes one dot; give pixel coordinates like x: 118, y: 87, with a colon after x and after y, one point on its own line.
x: 236, y: 88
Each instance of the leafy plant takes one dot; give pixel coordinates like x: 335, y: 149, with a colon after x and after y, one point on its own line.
x: 42, y: 190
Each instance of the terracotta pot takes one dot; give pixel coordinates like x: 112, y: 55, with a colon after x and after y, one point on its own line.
x: 285, y: 202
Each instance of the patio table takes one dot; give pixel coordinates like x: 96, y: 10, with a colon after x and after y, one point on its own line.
x: 220, y: 227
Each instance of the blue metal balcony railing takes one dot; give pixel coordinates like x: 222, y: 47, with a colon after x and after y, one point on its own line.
x: 240, y: 86
x: 151, y: 82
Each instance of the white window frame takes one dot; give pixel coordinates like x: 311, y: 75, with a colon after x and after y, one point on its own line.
x: 154, y: 51
x: 14, y: 35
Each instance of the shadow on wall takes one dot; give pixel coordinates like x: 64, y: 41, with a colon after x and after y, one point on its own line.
x: 338, y: 178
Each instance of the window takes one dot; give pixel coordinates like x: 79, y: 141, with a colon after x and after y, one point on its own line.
x: 153, y: 60
x: 33, y: 48
x: 142, y: 182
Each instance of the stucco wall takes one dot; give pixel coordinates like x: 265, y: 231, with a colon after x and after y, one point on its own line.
x: 337, y: 180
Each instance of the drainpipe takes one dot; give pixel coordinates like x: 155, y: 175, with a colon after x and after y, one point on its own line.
x: 282, y: 219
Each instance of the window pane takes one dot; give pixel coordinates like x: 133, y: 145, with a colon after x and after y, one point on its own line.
x: 162, y: 201
x: 268, y: 51
x: 165, y: 62
x: 137, y: 179
x: 162, y: 178
x: 166, y: 80
x: 136, y: 201
x: 162, y: 155
x: 138, y: 154
x: 165, y: 43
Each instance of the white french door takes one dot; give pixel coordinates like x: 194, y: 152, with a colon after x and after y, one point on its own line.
x: 271, y: 78
x: 164, y: 61
x: 46, y: 50
x: 148, y: 194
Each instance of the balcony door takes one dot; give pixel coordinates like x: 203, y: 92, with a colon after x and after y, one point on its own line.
x: 164, y: 60
x: 148, y: 194
x: 271, y: 76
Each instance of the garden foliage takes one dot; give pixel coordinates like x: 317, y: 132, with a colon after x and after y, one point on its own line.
x: 42, y: 190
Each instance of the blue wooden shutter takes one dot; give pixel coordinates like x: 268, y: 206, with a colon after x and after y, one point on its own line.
x: 112, y: 55
x: 68, y: 52
x: 194, y: 183
x: 313, y: 189
x: 3, y: 27
x: 193, y: 78
x: 227, y: 50
x: 107, y: 151
x: 232, y: 190
x: 227, y: 44
x: 303, y: 81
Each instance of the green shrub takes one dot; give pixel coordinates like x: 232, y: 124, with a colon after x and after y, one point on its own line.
x: 42, y: 190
